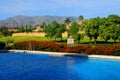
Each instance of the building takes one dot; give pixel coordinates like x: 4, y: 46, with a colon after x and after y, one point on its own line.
x: 38, y: 29
x: 13, y: 29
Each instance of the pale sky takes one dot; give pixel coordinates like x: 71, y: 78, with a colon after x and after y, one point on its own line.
x: 87, y: 8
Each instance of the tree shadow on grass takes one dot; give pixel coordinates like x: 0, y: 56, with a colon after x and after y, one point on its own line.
x: 90, y: 43
x: 100, y: 43
x: 60, y: 41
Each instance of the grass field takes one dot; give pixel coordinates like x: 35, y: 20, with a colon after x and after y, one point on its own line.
x: 64, y: 40
x: 26, y: 38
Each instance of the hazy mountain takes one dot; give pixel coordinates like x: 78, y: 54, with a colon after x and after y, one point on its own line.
x: 34, y: 20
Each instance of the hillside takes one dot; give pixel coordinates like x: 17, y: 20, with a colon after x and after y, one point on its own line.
x: 34, y: 20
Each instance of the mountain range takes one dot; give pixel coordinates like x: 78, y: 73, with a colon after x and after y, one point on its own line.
x: 34, y: 20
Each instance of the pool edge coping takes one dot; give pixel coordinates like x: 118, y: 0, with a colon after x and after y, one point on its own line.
x: 63, y: 54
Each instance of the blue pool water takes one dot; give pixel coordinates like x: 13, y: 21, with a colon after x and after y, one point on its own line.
x: 21, y: 66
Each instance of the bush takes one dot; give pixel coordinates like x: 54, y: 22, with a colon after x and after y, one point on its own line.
x: 2, y: 45
x: 37, y: 45
x: 55, y: 47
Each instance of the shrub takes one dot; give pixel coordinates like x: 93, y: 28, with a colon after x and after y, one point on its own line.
x: 75, y: 49
x: 2, y: 45
x: 37, y: 45
x: 55, y: 47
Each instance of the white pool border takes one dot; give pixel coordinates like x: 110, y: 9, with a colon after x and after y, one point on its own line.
x: 62, y: 54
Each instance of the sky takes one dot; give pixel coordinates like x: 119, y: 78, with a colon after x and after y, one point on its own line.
x: 87, y: 8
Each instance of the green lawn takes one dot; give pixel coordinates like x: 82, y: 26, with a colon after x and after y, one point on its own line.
x: 64, y: 40
x: 26, y: 38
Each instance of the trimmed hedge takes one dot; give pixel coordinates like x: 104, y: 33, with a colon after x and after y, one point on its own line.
x: 55, y: 47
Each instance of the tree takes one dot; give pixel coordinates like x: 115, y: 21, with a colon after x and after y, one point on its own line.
x: 4, y: 30
x: 54, y: 27
x: 79, y: 37
x: 80, y: 23
x: 105, y: 33
x: 95, y: 27
x: 48, y: 30
x: 21, y: 29
x: 81, y: 17
x: 43, y: 25
x: 115, y: 32
x: 30, y: 29
x: 54, y: 30
x: 73, y: 30
x: 115, y: 26
x: 67, y: 21
x: 92, y: 28
x: 59, y: 31
x: 105, y: 29
x: 27, y: 29
x: 114, y: 19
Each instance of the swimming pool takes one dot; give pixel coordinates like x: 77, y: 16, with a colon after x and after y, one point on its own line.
x: 22, y: 66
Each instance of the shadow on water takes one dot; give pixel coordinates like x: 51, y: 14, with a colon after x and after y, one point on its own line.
x: 76, y: 56
x: 4, y: 51
x: 76, y: 59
